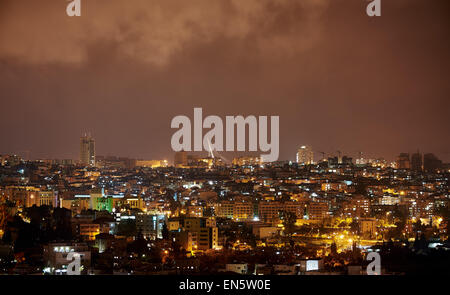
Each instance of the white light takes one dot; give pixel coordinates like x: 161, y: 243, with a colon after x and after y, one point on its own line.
x: 312, y: 265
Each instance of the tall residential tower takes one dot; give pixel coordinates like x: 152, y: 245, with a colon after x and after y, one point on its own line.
x: 305, y: 155
x: 87, y: 150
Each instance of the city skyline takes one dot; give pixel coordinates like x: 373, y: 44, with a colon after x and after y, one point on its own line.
x: 145, y: 218
x: 317, y: 155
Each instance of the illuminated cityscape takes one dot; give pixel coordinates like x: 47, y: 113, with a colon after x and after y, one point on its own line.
x: 203, y: 215
x: 205, y: 146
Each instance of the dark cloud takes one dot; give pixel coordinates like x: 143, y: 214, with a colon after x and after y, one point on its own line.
x: 338, y: 79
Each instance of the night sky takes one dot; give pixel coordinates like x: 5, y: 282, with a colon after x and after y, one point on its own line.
x: 338, y: 79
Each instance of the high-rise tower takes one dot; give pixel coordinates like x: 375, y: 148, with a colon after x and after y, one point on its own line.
x: 416, y: 161
x: 87, y: 150
x: 403, y: 161
x: 305, y: 155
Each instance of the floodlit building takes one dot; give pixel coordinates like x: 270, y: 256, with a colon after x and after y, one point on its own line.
x: 367, y: 227
x: 240, y: 268
x: 195, y: 234
x: 305, y: 155
x: 151, y: 163
x: 247, y: 161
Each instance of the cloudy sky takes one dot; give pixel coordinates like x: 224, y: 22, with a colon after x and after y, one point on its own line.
x: 338, y: 79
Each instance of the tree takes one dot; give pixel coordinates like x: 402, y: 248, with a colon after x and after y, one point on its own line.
x: 354, y: 226
x: 139, y: 246
x: 361, y: 187
x: 333, y: 248
x: 165, y: 232
x: 418, y: 226
x: 127, y: 228
x: 62, y: 228
x: 288, y: 219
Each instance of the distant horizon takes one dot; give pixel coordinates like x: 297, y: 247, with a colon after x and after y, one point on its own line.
x: 233, y: 154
